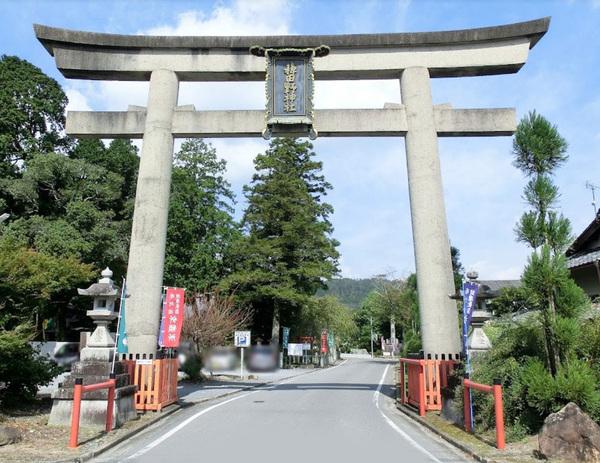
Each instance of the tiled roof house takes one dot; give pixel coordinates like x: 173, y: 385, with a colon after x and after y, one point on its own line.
x: 583, y: 259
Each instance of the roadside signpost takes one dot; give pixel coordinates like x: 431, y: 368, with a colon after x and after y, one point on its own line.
x: 242, y: 340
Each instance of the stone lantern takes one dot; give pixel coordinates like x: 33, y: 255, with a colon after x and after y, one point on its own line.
x: 100, y: 345
x: 96, y: 366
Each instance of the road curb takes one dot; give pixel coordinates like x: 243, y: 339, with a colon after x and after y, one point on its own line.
x: 468, y: 450
x: 171, y: 409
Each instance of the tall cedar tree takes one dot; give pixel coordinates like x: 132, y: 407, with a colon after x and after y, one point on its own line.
x: 539, y: 150
x: 201, y: 227
x: 288, y: 252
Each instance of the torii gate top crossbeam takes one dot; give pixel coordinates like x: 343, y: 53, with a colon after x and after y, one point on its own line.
x: 483, y: 51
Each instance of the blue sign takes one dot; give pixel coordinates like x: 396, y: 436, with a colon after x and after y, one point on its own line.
x: 241, y: 338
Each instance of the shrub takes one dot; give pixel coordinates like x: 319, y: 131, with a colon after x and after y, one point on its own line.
x: 530, y: 392
x: 578, y: 382
x: 193, y: 367
x: 22, y: 370
x: 588, y: 343
x: 539, y: 386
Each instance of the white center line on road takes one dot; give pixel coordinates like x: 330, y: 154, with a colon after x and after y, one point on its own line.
x: 394, y: 426
x: 183, y: 424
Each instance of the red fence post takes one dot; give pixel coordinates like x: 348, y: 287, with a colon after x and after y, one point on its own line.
x: 421, y: 389
x: 467, y: 405
x: 499, y: 409
x: 402, y: 385
x: 110, y: 403
x: 76, y: 412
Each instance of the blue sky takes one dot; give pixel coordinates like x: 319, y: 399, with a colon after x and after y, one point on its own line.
x: 561, y: 80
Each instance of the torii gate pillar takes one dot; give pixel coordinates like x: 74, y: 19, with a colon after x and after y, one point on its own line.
x: 149, y: 231
x: 430, y: 230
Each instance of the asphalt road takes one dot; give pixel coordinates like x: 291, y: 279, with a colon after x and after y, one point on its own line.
x: 340, y: 414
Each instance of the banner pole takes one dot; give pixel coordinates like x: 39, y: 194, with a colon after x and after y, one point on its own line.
x: 112, y: 368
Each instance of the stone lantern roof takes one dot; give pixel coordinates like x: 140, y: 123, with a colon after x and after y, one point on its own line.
x: 105, y: 286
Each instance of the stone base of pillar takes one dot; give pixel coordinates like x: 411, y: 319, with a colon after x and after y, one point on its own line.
x: 93, y: 405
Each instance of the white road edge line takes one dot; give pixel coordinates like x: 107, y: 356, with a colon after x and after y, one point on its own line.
x: 183, y: 424
x: 394, y: 426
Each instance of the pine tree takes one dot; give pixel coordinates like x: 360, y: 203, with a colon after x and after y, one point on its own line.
x: 539, y: 150
x: 288, y: 252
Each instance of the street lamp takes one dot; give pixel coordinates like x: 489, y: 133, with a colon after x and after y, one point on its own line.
x: 4, y: 216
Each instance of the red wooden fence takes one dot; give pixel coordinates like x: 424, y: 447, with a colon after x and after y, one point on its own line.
x: 421, y: 382
x: 156, y: 382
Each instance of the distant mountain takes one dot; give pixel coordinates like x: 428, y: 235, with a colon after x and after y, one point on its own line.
x: 349, y: 291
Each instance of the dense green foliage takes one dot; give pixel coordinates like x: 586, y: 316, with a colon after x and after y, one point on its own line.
x: 201, y: 228
x: 22, y: 371
x: 329, y: 313
x: 287, y: 252
x: 36, y: 286
x: 530, y: 392
x: 32, y: 118
x: 391, y: 301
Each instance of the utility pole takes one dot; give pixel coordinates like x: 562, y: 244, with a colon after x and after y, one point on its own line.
x: 371, y: 337
x: 591, y: 186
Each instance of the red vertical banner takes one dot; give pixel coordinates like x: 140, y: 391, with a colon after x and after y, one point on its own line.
x: 324, y: 341
x: 172, y: 317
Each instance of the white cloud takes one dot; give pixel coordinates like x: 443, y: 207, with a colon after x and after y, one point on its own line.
x: 239, y: 154
x: 356, y: 93
x: 492, y: 271
x: 77, y: 100
x: 268, y: 17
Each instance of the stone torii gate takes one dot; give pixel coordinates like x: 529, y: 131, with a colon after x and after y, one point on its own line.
x: 412, y: 58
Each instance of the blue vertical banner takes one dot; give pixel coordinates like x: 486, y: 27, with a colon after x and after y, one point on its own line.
x: 286, y: 337
x: 470, y: 290
x: 122, y: 331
